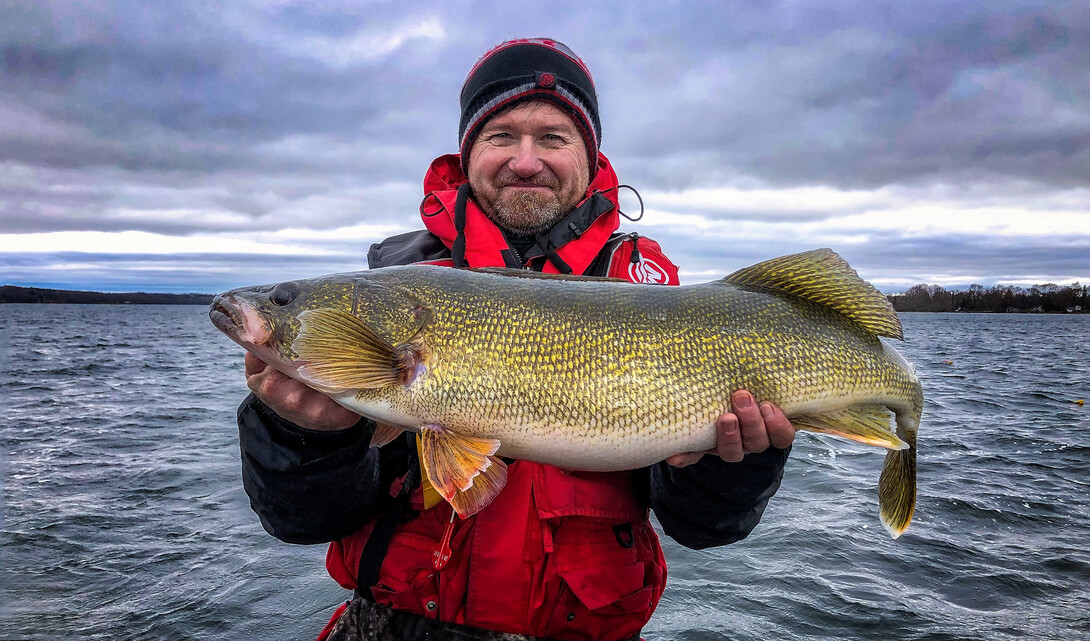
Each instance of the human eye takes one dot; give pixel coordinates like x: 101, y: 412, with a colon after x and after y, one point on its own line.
x: 498, y: 137
x: 554, y: 140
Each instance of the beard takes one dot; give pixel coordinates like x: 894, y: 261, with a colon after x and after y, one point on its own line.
x: 526, y: 212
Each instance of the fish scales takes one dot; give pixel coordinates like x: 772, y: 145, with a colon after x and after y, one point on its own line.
x: 489, y: 346
x: 569, y: 346
x: 593, y: 374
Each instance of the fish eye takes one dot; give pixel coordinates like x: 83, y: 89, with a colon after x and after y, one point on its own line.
x: 284, y: 293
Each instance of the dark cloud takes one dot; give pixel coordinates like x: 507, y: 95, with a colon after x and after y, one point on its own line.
x: 178, y: 88
x: 846, y: 94
x: 185, y: 203
x: 865, y: 95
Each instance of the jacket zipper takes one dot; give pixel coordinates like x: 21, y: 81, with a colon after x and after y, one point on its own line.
x: 635, y: 256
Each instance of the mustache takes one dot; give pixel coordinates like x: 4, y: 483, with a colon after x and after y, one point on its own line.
x: 541, y: 180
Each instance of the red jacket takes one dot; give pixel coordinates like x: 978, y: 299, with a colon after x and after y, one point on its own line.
x: 565, y: 555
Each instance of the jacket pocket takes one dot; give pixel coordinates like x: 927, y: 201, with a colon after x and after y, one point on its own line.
x: 607, y: 581
x: 407, y: 580
x: 604, y: 603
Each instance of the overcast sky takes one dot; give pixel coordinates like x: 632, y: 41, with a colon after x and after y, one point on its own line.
x: 199, y: 146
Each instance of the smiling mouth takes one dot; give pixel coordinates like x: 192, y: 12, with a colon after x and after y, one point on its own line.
x: 528, y: 189
x: 529, y: 185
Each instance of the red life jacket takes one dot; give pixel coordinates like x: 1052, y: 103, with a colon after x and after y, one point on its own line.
x: 563, y: 555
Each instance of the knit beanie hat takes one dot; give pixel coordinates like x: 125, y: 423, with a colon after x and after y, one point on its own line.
x: 526, y: 69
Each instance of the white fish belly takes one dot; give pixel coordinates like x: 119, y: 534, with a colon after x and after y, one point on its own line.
x: 595, y: 452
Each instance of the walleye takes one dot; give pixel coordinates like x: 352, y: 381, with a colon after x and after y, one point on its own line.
x: 589, y: 373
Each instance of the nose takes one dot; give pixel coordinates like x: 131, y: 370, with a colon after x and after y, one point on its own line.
x: 525, y: 162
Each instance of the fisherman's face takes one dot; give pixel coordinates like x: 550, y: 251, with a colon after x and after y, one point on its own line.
x: 528, y: 167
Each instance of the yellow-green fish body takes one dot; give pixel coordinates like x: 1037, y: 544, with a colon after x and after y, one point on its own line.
x: 591, y: 374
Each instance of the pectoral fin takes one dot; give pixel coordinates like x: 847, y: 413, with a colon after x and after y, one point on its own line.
x: 454, y: 463
x: 341, y: 352
x: 867, y: 424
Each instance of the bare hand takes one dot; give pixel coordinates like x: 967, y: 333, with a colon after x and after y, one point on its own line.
x: 294, y: 401
x: 746, y: 429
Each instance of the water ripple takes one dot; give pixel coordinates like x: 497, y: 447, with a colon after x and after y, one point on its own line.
x: 125, y: 517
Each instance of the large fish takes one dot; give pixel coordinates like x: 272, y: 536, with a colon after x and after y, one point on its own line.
x: 588, y: 373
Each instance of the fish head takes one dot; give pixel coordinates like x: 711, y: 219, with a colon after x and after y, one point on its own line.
x: 267, y: 319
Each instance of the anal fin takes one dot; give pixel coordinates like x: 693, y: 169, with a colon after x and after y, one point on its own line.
x: 867, y: 424
x: 453, y: 462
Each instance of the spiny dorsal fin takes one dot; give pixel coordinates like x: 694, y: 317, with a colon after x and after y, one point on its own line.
x: 821, y: 276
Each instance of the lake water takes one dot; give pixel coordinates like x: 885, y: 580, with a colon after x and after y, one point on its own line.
x: 124, y: 515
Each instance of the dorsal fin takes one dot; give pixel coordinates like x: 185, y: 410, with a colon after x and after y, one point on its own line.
x: 821, y: 276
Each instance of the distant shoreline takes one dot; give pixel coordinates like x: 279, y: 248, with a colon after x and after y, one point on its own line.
x: 16, y: 294
x: 34, y: 295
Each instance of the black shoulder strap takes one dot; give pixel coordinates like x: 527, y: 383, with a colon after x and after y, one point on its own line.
x: 458, y: 251
x: 405, y: 249
x: 374, y: 551
x: 600, y: 265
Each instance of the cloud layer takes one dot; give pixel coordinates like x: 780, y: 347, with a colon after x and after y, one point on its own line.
x: 201, y: 146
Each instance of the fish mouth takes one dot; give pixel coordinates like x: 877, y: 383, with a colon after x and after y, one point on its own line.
x: 239, y: 320
x: 224, y: 316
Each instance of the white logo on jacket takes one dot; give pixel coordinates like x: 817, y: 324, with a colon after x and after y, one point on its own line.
x: 647, y: 271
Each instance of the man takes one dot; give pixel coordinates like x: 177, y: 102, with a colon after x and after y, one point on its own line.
x: 558, y: 554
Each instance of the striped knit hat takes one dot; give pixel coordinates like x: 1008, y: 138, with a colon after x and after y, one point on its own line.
x: 528, y: 69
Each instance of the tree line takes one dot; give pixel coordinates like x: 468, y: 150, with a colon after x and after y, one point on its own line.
x: 14, y: 294
x: 1048, y: 298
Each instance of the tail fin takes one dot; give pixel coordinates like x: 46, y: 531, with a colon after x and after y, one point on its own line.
x: 897, y: 485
